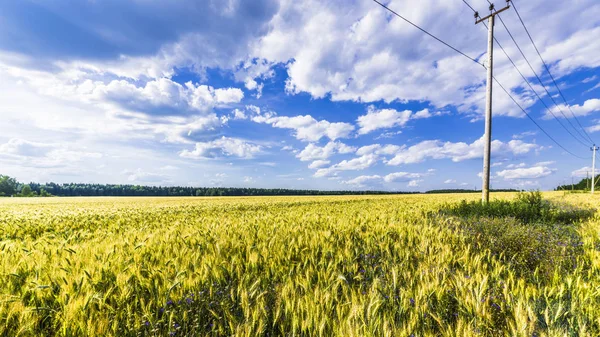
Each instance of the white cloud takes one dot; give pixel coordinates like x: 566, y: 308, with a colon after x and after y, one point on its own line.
x: 388, y: 134
x: 318, y: 163
x: 163, y: 96
x: 533, y: 172
x: 141, y: 176
x: 402, y: 176
x: 222, y: 147
x: 450, y: 181
x: 414, y: 183
x: 512, y: 166
x: 585, y: 171
x: 524, y: 134
x: 362, y: 180
x: 313, y: 151
x: 382, y: 119
x: 389, y: 118
x: 390, y: 178
x: 355, y: 164
x: 43, y: 155
x: 238, y: 114
x: 589, y: 79
x: 460, y: 151
x: 589, y: 106
x: 425, y: 113
x: 360, y: 52
x: 307, y: 128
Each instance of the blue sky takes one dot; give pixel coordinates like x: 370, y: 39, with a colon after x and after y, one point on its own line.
x: 290, y: 94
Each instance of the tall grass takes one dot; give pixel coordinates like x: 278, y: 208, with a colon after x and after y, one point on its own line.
x: 533, y: 236
x: 322, y: 266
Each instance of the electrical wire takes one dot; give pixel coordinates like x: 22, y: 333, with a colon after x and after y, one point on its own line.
x: 549, y: 73
x: 426, y: 32
x: 472, y: 59
x: 540, y: 80
x: 527, y: 81
x: 534, y: 122
x: 535, y: 92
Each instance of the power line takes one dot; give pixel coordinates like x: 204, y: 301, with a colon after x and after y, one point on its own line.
x: 534, y: 122
x: 549, y: 73
x: 540, y: 80
x: 527, y: 81
x: 426, y: 32
x: 535, y: 92
x: 472, y: 59
x: 466, y: 3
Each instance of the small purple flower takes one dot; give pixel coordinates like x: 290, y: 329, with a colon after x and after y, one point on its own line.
x: 169, y: 302
x: 412, y: 302
x: 146, y: 323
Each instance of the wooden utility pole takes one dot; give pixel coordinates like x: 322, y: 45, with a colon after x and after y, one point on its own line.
x: 593, y: 148
x: 587, y: 180
x: 485, y: 189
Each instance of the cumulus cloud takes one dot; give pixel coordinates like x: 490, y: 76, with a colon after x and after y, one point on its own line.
x: 402, y: 176
x: 589, y: 106
x: 318, y: 163
x: 434, y: 149
x: 415, y: 183
x: 355, y: 164
x: 362, y: 180
x: 388, y: 118
x: 532, y: 172
x: 382, y: 119
x: 43, y: 155
x: 585, y: 171
x: 158, y: 97
x: 411, y: 177
x: 313, y: 151
x: 307, y: 128
x: 222, y: 147
x: 360, y: 53
x: 238, y: 114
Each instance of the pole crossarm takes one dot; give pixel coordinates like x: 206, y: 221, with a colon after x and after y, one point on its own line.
x: 491, y: 14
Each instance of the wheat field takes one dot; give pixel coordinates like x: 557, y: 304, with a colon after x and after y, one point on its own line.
x: 279, y: 266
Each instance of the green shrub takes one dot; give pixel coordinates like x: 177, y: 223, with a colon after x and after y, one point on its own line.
x: 533, y: 236
x: 528, y: 207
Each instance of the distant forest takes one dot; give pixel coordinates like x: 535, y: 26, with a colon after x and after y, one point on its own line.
x: 11, y: 187
x: 583, y: 185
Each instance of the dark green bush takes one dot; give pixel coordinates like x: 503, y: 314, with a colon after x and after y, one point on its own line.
x: 528, y: 207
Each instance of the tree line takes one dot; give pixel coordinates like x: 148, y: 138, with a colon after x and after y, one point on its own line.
x: 11, y: 187
x: 584, y: 184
